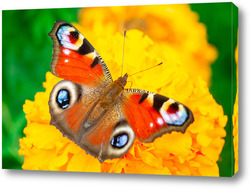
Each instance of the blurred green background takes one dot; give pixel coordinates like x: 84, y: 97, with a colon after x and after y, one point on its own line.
x: 27, y: 51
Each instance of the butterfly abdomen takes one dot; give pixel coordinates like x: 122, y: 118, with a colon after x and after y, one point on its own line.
x: 110, y: 97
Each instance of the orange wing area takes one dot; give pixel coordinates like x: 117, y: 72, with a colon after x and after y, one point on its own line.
x: 99, y: 135
x: 77, y: 68
x: 142, y: 118
x: 101, y: 130
x: 74, y: 117
x: 69, y: 121
x: 96, y: 139
x: 152, y: 115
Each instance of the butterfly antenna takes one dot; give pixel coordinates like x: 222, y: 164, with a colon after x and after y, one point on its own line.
x: 146, y: 69
x: 123, y: 51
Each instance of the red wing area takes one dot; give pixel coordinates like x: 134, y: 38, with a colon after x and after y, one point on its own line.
x: 74, y: 58
x: 77, y: 68
x: 151, y: 115
x: 142, y: 117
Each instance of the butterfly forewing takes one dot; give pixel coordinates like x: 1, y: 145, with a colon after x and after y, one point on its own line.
x: 152, y: 115
x: 74, y: 58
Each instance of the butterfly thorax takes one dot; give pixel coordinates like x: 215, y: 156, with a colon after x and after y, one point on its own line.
x: 110, y: 97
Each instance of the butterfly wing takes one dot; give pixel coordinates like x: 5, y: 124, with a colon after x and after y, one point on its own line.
x: 74, y: 58
x: 151, y: 115
x: 106, y: 136
x: 110, y: 137
x: 75, y: 102
x: 69, y: 105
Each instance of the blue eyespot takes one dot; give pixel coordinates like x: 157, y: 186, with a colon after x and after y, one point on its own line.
x: 63, y: 98
x: 119, y: 141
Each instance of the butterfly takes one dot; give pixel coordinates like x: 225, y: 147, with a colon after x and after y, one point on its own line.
x: 97, y: 113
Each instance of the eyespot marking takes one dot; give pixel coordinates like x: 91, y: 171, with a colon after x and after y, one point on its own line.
x: 75, y: 34
x: 63, y: 98
x: 173, y: 108
x: 120, y: 140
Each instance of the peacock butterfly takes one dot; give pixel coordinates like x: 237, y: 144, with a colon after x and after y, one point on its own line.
x: 96, y: 112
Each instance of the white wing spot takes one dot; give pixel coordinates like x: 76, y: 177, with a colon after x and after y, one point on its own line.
x: 66, y: 51
x: 160, y: 121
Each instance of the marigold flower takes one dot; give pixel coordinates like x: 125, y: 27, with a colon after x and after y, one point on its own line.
x: 236, y: 119
x: 175, y: 27
x: 194, y: 153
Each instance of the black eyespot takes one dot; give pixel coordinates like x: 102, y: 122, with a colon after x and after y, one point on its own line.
x: 119, y: 141
x: 75, y: 34
x: 63, y: 98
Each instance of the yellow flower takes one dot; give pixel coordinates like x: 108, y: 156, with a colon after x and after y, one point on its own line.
x: 236, y: 119
x: 175, y: 27
x: 194, y: 153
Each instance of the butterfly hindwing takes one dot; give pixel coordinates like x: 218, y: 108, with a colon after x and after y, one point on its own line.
x: 74, y: 58
x: 69, y: 105
x: 152, y: 115
x: 110, y: 137
x: 77, y: 112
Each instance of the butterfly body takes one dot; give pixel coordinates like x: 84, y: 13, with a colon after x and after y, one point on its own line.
x: 111, y: 96
x: 97, y: 113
